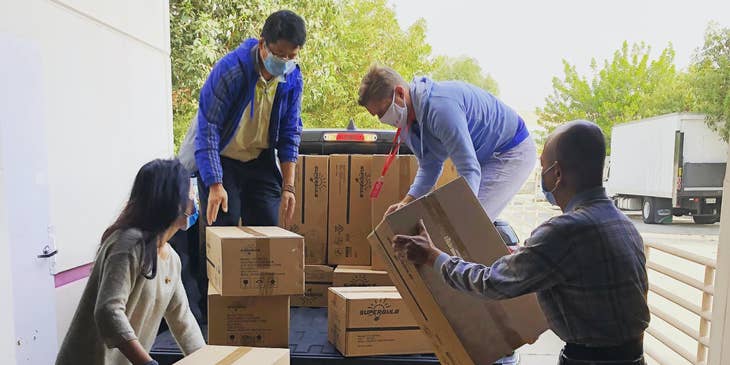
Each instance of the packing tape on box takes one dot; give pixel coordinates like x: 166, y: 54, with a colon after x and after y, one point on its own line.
x: 451, y: 238
x: 252, y: 231
x: 234, y: 356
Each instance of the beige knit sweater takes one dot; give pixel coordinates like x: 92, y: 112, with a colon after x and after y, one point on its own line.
x: 119, y: 304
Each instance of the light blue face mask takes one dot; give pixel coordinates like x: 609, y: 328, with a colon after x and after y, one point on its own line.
x: 549, y: 194
x: 192, y: 217
x: 278, y: 66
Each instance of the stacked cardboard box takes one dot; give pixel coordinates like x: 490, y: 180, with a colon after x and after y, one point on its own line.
x: 346, y: 276
x: 317, y: 279
x: 350, y: 183
x: 448, y: 174
x: 459, y: 226
x: 373, y: 321
x: 230, y: 355
x: 310, y: 214
x: 252, y: 273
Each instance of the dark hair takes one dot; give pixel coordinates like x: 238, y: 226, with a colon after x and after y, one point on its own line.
x: 159, y: 196
x: 581, y: 152
x: 286, y: 25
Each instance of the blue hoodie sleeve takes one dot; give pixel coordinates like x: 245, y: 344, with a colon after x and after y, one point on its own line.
x: 429, y: 170
x: 290, y: 127
x: 449, y: 125
x: 215, y: 102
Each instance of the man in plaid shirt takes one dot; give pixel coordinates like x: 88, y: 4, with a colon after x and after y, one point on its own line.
x: 587, y: 265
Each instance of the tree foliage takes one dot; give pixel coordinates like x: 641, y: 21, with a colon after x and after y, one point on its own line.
x: 629, y: 86
x: 710, y: 78
x: 343, y: 39
x: 464, y: 69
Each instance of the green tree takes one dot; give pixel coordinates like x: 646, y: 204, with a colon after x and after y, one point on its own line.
x: 627, y: 87
x: 464, y: 69
x: 344, y: 39
x: 710, y: 78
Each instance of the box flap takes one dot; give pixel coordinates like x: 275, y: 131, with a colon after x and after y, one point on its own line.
x: 458, y: 225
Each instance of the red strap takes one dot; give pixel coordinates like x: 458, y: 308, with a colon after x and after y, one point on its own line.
x: 375, y: 192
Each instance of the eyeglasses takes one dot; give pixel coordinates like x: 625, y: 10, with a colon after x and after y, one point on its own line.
x: 280, y: 58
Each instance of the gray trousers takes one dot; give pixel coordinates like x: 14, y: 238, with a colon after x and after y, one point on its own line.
x: 503, y: 176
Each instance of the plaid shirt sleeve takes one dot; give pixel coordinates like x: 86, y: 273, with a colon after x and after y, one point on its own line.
x: 587, y: 267
x: 538, y: 266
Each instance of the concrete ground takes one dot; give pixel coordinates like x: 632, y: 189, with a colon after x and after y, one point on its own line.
x: 525, y: 213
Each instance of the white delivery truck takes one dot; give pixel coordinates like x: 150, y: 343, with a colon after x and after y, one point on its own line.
x: 669, y: 165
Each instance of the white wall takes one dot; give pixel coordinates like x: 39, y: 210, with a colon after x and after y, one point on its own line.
x: 106, y: 91
x: 7, y: 334
x: 65, y: 309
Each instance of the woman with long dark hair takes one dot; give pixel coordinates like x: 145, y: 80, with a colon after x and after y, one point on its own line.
x: 135, y: 281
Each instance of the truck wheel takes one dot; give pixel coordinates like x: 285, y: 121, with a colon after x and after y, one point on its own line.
x: 648, y: 213
x: 704, y: 219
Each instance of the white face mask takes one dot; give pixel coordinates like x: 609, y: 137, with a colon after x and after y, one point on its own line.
x: 396, y: 115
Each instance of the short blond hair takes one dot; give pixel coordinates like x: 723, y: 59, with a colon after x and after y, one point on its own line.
x: 378, y: 84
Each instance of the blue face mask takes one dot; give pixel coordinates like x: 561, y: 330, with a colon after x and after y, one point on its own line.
x: 192, y: 217
x: 549, y: 194
x: 278, y: 66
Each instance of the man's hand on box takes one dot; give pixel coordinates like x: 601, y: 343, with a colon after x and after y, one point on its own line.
x: 394, y: 208
x: 417, y: 249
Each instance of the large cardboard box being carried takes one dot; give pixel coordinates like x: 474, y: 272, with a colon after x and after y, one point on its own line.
x: 345, y: 276
x: 349, y: 210
x: 373, y: 321
x: 317, y: 279
x: 248, y: 321
x: 458, y: 324
x: 397, y: 182
x: 255, y: 261
x: 230, y: 355
x: 310, y: 214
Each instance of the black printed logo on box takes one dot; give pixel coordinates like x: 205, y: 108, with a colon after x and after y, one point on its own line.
x: 319, y: 180
x: 363, y: 179
x: 359, y: 280
x: 379, y: 308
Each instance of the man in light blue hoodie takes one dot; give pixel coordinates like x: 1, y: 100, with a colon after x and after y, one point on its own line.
x: 486, y: 140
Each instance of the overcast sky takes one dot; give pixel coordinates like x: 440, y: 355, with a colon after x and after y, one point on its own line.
x: 521, y: 43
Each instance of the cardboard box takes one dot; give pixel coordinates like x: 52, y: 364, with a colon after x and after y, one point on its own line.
x: 373, y: 321
x: 230, y: 355
x: 310, y: 215
x: 349, y: 210
x: 396, y: 184
x: 457, y: 323
x: 345, y: 276
x: 448, y: 174
x: 317, y: 279
x: 248, y: 321
x: 255, y: 261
